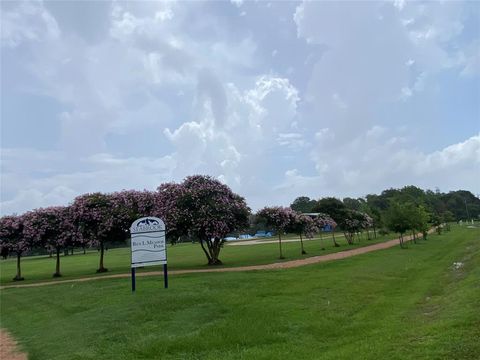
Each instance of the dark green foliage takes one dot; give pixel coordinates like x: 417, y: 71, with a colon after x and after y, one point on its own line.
x: 303, y: 204
x: 333, y: 207
x: 398, y: 218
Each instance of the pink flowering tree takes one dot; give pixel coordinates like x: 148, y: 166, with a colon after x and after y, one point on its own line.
x: 99, y: 220
x: 323, y: 220
x: 170, y: 208
x: 303, y: 225
x: 12, y: 238
x: 205, y: 209
x: 52, y: 227
x: 278, y: 218
x: 354, y: 222
x: 129, y: 205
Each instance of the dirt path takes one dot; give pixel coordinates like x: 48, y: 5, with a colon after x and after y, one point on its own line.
x: 279, y: 265
x: 8, y: 348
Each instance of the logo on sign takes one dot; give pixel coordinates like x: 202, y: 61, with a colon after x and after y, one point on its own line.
x: 147, y: 224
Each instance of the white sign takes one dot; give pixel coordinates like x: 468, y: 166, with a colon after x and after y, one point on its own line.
x: 148, y: 242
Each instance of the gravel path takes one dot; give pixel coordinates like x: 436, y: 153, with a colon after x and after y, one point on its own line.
x: 272, y: 266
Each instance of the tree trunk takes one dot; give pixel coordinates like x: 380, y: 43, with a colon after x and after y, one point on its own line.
x: 57, y: 267
x: 335, y: 244
x: 215, y: 251
x: 280, y: 245
x: 209, y: 259
x: 84, y: 250
x: 18, y: 277
x: 301, y: 243
x: 401, y: 240
x: 101, y: 268
x: 349, y: 237
x: 368, y: 235
x: 374, y: 232
x: 72, y: 250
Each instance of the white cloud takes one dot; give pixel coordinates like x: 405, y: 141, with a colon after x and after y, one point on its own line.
x: 237, y: 3
x: 27, y: 21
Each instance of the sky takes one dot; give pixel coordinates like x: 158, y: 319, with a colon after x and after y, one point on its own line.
x: 275, y: 99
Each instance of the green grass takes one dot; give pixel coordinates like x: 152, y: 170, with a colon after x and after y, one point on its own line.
x: 389, y: 304
x: 181, y: 256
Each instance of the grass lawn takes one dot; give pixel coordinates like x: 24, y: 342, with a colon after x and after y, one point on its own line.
x: 181, y: 256
x: 388, y: 304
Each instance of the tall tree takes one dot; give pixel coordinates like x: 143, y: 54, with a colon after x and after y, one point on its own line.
x: 352, y: 204
x: 279, y: 218
x: 303, y: 225
x: 171, y: 208
x: 12, y: 238
x: 333, y: 207
x: 421, y: 221
x: 326, y: 223
x: 53, y: 228
x: 303, y: 204
x: 205, y: 209
x: 99, y: 221
x: 398, y: 219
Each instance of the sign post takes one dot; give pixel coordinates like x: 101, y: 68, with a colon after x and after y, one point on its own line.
x: 148, y: 245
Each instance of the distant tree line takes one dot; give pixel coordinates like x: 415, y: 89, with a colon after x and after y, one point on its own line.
x: 452, y: 206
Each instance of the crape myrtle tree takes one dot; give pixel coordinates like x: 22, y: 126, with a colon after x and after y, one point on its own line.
x: 52, y: 227
x: 12, y: 238
x: 367, y: 223
x: 303, y: 225
x: 129, y: 205
x: 354, y: 222
x: 351, y: 225
x: 278, y: 218
x: 323, y: 220
x: 205, y: 209
x: 177, y: 218
x: 99, y: 221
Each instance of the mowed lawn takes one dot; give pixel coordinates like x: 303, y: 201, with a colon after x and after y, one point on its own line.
x: 181, y: 256
x: 388, y: 304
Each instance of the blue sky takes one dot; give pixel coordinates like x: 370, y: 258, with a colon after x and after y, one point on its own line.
x: 276, y: 99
